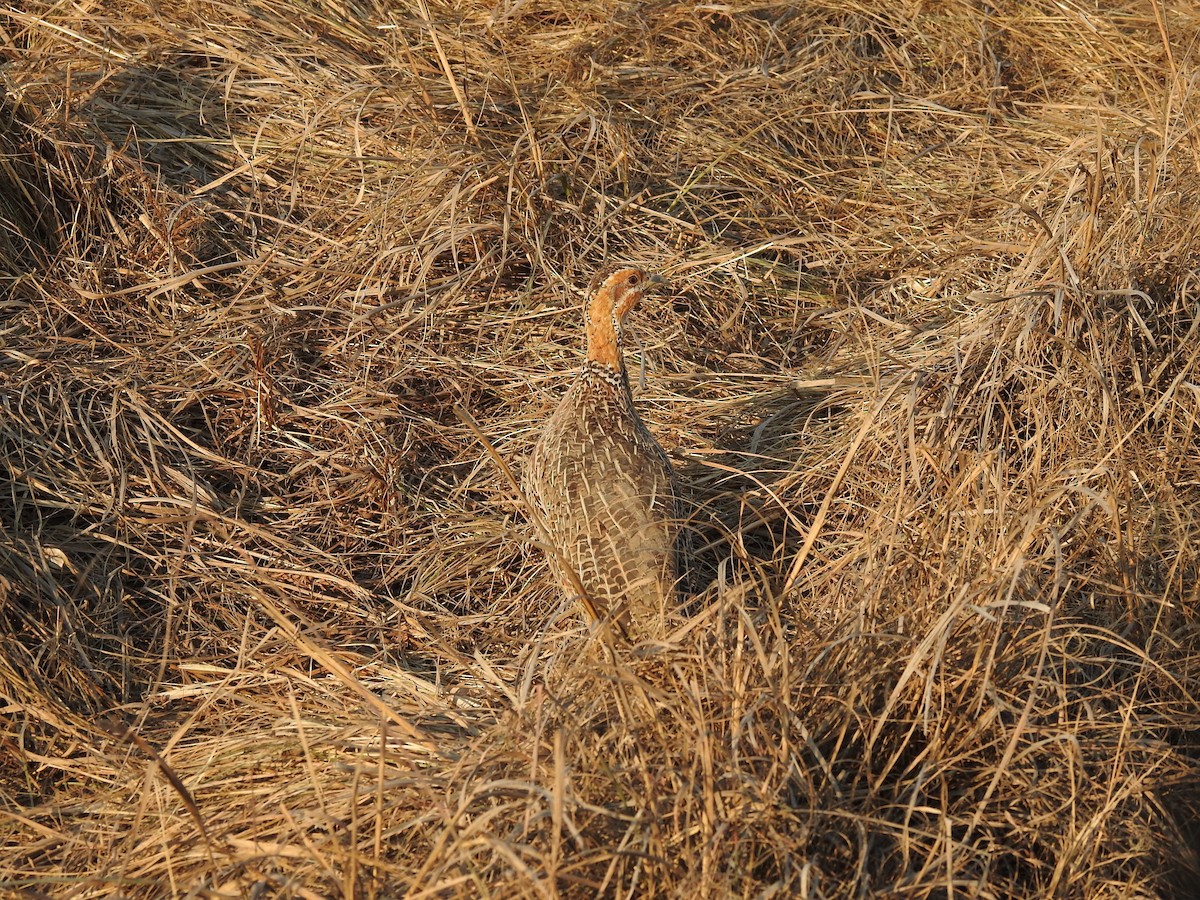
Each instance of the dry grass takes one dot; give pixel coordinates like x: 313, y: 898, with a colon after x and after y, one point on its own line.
x: 271, y: 624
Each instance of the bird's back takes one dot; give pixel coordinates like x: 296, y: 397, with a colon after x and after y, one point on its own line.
x: 607, y: 495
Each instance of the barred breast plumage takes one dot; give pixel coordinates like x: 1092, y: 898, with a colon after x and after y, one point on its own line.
x: 602, y: 485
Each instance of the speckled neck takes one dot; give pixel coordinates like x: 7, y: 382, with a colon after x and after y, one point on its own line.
x: 600, y: 373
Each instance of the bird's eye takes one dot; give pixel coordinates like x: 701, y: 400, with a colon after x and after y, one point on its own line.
x: 634, y: 279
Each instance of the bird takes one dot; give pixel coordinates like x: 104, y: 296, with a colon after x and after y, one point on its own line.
x: 602, y: 487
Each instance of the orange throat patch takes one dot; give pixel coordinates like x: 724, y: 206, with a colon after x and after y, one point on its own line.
x: 603, y: 337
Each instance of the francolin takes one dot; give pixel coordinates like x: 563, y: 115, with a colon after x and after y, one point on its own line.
x: 602, y: 486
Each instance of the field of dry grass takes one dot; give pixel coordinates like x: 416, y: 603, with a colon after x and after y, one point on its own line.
x: 271, y: 624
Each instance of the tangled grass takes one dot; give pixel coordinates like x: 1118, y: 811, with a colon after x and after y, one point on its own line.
x: 270, y: 619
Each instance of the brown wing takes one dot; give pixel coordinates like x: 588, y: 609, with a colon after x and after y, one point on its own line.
x: 606, y: 492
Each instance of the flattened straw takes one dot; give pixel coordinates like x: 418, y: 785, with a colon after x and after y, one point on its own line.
x: 324, y: 658
x: 454, y: 86
x: 831, y: 492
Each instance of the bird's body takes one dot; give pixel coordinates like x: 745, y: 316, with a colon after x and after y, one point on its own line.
x: 601, y: 484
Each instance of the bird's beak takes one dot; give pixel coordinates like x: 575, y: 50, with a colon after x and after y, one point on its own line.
x: 656, y: 280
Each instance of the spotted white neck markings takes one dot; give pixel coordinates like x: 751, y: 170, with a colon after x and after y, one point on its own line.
x: 593, y: 372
